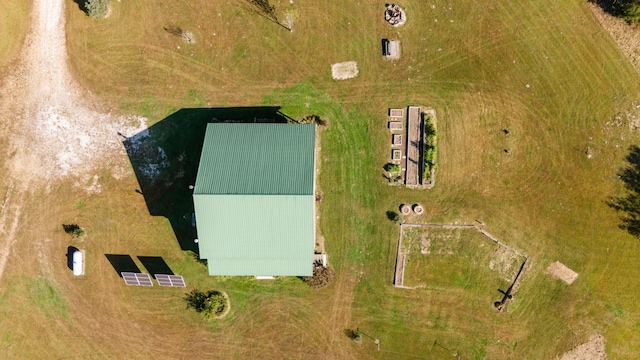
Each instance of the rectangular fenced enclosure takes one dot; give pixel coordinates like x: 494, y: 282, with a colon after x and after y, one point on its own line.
x: 455, y: 258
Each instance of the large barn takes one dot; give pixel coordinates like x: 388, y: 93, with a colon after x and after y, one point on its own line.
x: 254, y: 199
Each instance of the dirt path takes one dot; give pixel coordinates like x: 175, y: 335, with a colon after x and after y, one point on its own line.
x: 9, y: 218
x: 53, y: 129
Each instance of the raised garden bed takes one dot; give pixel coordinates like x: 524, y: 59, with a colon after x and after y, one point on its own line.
x: 430, y: 135
x: 413, y: 140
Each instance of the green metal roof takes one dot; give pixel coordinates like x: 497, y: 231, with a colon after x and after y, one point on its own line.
x: 256, y: 234
x: 254, y: 200
x: 257, y: 159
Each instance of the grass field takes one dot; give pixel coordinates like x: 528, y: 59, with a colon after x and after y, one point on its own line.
x: 544, y: 70
x: 14, y: 19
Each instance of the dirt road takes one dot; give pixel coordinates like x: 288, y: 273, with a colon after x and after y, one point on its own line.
x: 53, y: 129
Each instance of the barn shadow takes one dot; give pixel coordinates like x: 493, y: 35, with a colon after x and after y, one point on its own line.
x: 628, y: 204
x: 165, y: 159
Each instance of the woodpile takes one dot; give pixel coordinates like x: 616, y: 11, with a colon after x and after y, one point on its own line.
x: 394, y: 15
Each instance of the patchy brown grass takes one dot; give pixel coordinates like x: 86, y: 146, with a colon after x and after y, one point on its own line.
x: 547, y: 198
x: 14, y: 20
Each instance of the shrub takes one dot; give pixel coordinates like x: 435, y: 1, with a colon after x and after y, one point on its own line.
x: 73, y: 229
x: 429, y: 148
x: 96, y: 8
x: 313, y: 119
x: 210, y: 304
x: 352, y: 334
x: 395, y: 217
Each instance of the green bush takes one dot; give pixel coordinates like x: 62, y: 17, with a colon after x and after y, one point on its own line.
x: 96, y: 8
x: 74, y: 230
x: 631, y: 12
x: 430, y: 135
x: 210, y: 304
x: 625, y: 9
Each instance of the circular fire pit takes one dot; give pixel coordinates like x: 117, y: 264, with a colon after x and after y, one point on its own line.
x: 394, y: 15
x: 418, y: 209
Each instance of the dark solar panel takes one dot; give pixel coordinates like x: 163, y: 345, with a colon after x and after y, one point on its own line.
x: 137, y: 279
x: 170, y: 280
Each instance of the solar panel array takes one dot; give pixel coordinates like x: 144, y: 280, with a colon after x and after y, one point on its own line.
x: 137, y: 279
x: 170, y: 280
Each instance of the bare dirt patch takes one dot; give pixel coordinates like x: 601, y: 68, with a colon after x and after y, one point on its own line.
x: 593, y: 349
x: 562, y: 272
x: 58, y: 129
x: 344, y: 70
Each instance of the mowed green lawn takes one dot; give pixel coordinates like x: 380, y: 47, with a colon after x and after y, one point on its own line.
x: 458, y: 259
x: 544, y: 70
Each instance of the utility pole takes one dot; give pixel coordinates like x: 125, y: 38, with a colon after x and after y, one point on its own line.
x: 375, y: 341
x: 455, y: 354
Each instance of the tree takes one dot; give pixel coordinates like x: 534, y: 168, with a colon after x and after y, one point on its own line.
x: 626, y: 9
x: 629, y: 203
x: 96, y: 8
x: 631, y: 10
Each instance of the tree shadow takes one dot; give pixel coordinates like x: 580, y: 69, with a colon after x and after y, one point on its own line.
x: 351, y: 334
x: 264, y: 9
x: 70, y: 251
x: 629, y: 203
x: 165, y: 159
x: 155, y: 265
x: 122, y: 263
x: 81, y: 5
x: 612, y: 7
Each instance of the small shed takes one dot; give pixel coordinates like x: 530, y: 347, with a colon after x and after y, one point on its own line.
x: 391, y: 49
